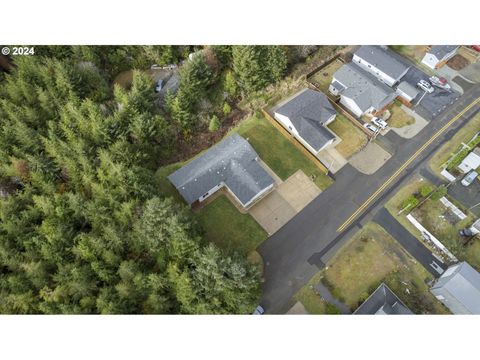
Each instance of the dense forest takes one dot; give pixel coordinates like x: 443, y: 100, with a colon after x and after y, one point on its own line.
x: 83, y: 228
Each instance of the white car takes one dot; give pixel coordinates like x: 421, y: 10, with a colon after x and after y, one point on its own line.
x: 370, y: 127
x: 379, y: 123
x: 440, y: 82
x: 425, y: 85
x: 469, y: 178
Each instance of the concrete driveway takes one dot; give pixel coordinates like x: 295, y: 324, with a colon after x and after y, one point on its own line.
x: 283, y: 203
x: 370, y: 158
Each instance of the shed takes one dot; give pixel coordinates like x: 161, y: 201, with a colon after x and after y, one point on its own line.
x: 471, y: 162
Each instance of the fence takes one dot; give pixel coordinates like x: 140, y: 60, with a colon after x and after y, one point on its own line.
x: 295, y: 142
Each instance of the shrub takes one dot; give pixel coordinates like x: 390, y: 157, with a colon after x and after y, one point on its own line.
x: 426, y: 190
x: 410, y: 202
x: 332, y: 309
x: 439, y: 193
x: 214, y: 123
x: 227, y: 109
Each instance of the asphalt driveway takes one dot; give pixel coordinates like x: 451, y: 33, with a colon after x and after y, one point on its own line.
x: 468, y: 196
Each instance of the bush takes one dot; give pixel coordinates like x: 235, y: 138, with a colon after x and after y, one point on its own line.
x: 410, y: 202
x: 439, y: 193
x: 214, y: 123
x: 332, y: 309
x: 426, y: 190
x: 227, y: 109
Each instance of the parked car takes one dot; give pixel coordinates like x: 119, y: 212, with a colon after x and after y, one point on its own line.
x: 440, y: 82
x: 371, y: 127
x: 469, y: 178
x: 159, y: 85
x: 466, y: 232
x: 259, y: 311
x: 379, y: 123
x: 425, y: 85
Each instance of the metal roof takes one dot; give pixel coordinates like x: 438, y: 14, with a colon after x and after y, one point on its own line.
x: 308, y: 111
x: 383, y: 301
x: 460, y: 284
x: 383, y: 59
x: 363, y: 88
x: 233, y: 162
x: 440, y: 51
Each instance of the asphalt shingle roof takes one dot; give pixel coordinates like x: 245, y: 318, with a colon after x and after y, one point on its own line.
x: 383, y: 302
x: 463, y: 285
x: 382, y: 59
x: 233, y: 162
x: 441, y: 50
x: 363, y: 87
x: 408, y: 89
x: 308, y: 111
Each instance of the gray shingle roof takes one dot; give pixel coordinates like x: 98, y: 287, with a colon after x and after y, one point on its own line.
x: 308, y: 111
x: 233, y: 162
x: 441, y: 50
x: 363, y: 87
x: 460, y: 284
x: 383, y: 59
x: 408, y: 89
x: 383, y: 302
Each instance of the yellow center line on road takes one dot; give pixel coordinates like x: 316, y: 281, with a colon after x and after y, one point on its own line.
x: 408, y: 162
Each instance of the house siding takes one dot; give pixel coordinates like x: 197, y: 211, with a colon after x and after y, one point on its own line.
x: 351, y: 105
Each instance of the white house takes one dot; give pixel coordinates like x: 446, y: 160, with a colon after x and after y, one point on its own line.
x: 232, y: 164
x: 306, y: 116
x: 438, y: 55
x: 381, y: 63
x: 471, y: 161
x: 361, y: 92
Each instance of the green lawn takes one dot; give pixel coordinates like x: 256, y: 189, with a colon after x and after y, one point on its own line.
x: 453, y: 145
x: 372, y: 257
x: 278, y: 152
x: 313, y: 303
x: 353, y: 139
x: 228, y: 228
x: 399, y: 118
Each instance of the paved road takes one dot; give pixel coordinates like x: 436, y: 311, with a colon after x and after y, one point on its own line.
x: 419, y: 251
x: 301, y: 247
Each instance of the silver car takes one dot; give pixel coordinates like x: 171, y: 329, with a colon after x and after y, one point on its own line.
x: 469, y: 178
x: 425, y: 85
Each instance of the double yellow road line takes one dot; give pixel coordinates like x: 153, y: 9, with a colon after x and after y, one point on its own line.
x: 408, y: 162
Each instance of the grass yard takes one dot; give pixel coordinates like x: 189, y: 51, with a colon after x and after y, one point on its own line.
x: 372, y: 257
x: 353, y: 139
x: 399, y: 118
x: 228, y: 228
x: 313, y: 303
x: 323, y: 77
x: 278, y: 152
x: 453, y: 145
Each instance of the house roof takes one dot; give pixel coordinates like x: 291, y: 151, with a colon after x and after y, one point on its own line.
x: 440, y: 51
x: 471, y: 161
x: 308, y: 111
x: 383, y: 301
x: 462, y: 282
x: 233, y: 162
x: 363, y: 87
x: 408, y: 89
x: 383, y: 59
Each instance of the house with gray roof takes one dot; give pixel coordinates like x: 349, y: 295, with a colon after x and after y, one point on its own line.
x: 383, y: 301
x: 306, y: 116
x: 438, y: 55
x: 459, y: 289
x: 359, y: 91
x: 232, y: 164
x: 381, y: 62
